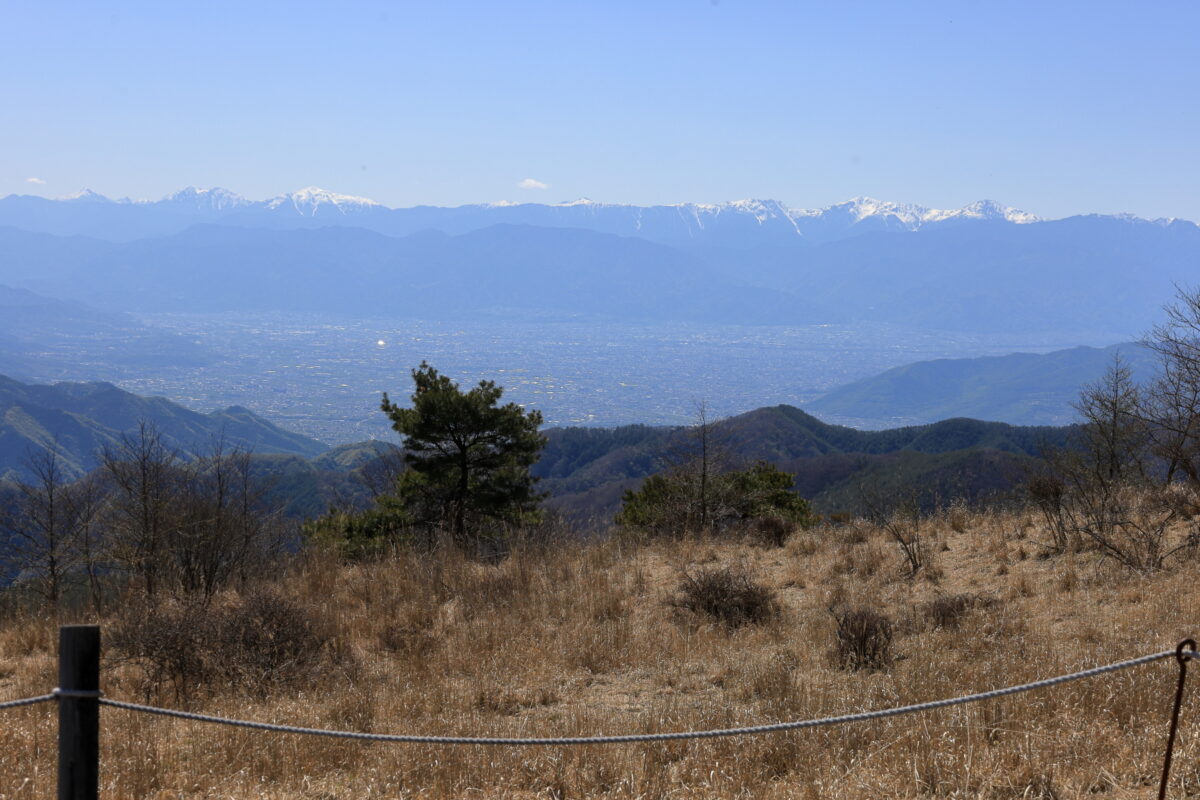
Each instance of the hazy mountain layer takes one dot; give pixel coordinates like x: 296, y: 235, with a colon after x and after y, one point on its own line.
x: 500, y: 270
x: 80, y: 419
x: 1022, y: 388
x: 583, y: 469
x: 48, y: 338
x: 1081, y: 277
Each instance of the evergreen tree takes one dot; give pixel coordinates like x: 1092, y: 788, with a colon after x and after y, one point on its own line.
x: 467, y: 458
x: 666, y: 503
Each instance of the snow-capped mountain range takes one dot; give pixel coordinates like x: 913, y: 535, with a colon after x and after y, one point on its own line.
x: 742, y: 223
x: 311, y: 199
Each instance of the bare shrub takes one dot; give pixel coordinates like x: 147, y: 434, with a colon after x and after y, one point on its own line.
x: 169, y: 641
x: 1048, y: 493
x: 264, y: 638
x: 727, y: 594
x: 411, y: 634
x: 901, y: 517
x: 1130, y: 525
x: 864, y: 639
x: 253, y: 642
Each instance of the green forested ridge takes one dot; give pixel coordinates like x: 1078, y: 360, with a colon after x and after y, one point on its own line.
x: 952, y: 458
x: 584, y: 470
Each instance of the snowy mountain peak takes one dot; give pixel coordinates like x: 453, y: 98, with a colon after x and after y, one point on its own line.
x: 912, y: 216
x: 214, y: 199
x: 864, y: 207
x: 308, y: 200
x: 87, y: 196
x: 990, y: 209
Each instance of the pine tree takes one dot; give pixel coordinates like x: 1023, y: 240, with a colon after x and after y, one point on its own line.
x: 467, y: 458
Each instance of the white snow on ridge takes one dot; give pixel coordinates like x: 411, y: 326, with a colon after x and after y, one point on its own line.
x: 309, y: 200
x: 853, y: 211
x: 914, y: 216
x: 831, y: 222
x: 87, y: 196
x: 306, y: 201
x: 215, y: 198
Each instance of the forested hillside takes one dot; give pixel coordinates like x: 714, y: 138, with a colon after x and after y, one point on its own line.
x: 586, y: 470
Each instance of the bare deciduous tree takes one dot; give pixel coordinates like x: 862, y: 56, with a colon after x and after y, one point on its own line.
x: 49, y: 528
x: 901, y: 517
x: 142, y: 512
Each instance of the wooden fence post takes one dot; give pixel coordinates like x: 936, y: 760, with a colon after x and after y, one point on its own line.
x: 78, y: 713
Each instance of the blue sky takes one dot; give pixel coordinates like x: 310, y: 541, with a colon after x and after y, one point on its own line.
x: 1057, y: 108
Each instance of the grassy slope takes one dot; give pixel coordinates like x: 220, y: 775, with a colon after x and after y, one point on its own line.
x: 583, y: 640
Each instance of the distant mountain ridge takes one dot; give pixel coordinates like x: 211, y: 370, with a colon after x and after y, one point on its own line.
x: 80, y: 419
x: 740, y: 223
x: 1071, y: 277
x: 1020, y: 388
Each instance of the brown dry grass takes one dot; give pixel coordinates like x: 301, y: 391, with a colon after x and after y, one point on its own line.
x: 585, y: 639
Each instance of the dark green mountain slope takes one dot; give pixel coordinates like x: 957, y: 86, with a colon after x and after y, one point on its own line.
x: 1021, y: 389
x: 585, y: 471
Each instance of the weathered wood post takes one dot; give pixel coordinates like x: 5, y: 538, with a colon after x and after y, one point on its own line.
x: 78, y: 712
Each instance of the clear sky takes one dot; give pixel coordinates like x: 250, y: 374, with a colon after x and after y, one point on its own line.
x: 1053, y: 107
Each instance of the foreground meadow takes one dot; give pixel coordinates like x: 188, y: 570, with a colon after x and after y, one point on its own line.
x: 580, y: 639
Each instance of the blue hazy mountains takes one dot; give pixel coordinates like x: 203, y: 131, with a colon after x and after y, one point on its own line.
x: 79, y: 420
x: 1020, y: 389
x: 48, y: 337
x: 984, y: 268
x: 738, y: 224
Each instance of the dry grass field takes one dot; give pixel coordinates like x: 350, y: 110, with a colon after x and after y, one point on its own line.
x: 587, y: 638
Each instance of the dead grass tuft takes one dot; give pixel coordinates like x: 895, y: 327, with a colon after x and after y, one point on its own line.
x: 863, y: 639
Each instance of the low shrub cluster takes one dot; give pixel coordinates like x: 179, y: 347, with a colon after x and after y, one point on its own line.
x: 727, y: 594
x: 253, y: 642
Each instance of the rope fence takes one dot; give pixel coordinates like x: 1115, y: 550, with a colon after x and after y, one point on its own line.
x: 28, y: 701
x: 556, y: 741
x: 80, y: 698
